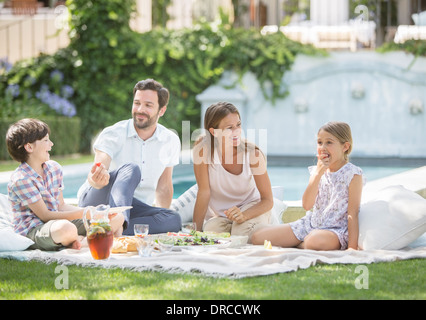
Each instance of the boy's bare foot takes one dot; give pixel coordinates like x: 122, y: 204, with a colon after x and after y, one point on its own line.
x: 76, y: 245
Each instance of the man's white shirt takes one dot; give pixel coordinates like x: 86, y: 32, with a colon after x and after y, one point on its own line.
x: 122, y: 143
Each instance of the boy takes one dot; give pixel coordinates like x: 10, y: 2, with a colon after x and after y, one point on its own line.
x: 35, y: 191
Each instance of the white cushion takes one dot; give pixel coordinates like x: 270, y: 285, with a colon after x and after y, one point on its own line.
x: 277, y: 211
x: 184, y: 205
x: 5, y: 212
x: 392, y: 219
x: 9, y: 240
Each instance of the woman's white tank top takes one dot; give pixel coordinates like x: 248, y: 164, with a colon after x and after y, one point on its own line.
x: 228, y: 189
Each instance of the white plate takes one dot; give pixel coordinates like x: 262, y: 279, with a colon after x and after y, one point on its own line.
x: 119, y: 209
x: 227, y: 242
x: 221, y: 245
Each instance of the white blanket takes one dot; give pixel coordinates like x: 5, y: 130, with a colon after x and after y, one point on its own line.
x: 230, y: 262
x: 241, y: 262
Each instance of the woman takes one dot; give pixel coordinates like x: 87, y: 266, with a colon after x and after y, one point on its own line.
x: 234, y: 190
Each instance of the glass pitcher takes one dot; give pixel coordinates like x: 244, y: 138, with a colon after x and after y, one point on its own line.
x: 99, y: 233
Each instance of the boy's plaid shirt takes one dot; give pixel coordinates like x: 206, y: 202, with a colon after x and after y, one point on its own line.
x: 26, y: 187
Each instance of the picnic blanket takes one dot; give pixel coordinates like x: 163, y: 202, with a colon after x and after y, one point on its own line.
x: 392, y: 227
x: 246, y: 261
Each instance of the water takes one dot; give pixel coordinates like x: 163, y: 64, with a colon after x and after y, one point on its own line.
x: 293, y: 179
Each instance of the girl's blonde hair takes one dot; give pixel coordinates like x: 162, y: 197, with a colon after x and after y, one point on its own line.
x: 342, y: 131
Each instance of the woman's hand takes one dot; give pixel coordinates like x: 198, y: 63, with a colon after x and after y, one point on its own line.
x: 235, y: 214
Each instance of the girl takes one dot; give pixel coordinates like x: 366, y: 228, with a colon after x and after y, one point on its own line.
x: 332, y: 198
x: 234, y: 191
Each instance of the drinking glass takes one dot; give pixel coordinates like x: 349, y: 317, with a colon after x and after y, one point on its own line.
x: 141, y: 230
x: 146, y: 246
x: 166, y: 243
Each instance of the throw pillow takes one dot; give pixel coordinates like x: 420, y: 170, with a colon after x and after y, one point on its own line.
x: 9, y: 240
x: 392, y: 219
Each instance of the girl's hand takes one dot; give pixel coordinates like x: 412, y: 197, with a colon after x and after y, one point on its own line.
x: 323, y: 163
x: 354, y: 249
x: 235, y: 214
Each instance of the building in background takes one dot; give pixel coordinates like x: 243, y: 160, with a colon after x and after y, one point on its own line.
x: 31, y: 27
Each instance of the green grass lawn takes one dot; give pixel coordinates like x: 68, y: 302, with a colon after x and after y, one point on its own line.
x: 35, y: 280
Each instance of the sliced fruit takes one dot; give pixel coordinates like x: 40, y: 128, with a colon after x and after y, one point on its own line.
x: 267, y: 244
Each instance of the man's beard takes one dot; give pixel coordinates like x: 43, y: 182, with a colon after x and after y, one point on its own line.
x: 146, y: 123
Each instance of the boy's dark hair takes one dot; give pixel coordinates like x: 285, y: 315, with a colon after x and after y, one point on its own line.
x: 22, y: 132
x: 151, y: 84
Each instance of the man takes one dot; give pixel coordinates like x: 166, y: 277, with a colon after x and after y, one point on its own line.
x: 134, y: 162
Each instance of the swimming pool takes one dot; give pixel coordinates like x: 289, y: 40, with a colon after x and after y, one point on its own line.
x: 293, y: 179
